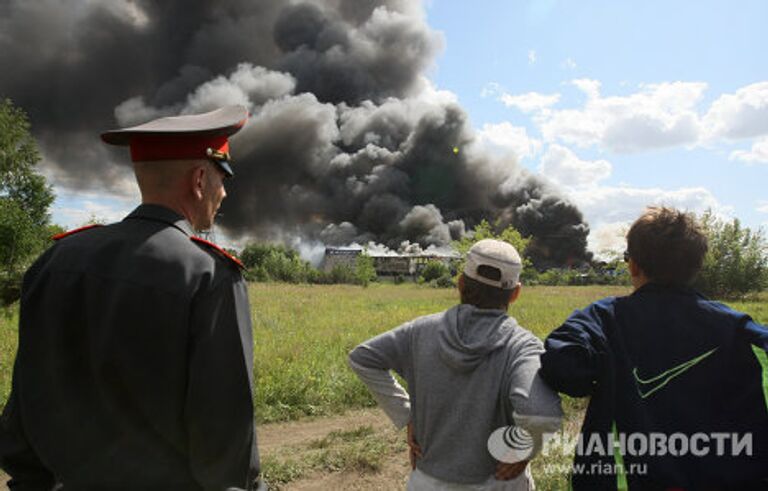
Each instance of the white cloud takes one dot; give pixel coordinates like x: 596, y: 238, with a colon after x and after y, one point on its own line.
x: 610, y: 210
x: 504, y: 138
x: 562, y: 166
x: 659, y: 115
x: 758, y: 153
x: 531, y: 56
x: 743, y: 114
x: 588, y: 86
x: 492, y: 89
x: 530, y: 102
x: 74, y: 209
x: 622, y: 203
x: 762, y: 206
x: 655, y: 116
x: 569, y: 64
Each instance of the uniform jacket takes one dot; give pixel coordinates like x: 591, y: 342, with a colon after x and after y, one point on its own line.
x: 667, y: 366
x: 134, y: 366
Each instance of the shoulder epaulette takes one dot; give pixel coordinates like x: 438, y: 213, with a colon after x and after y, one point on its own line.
x: 219, y: 250
x: 75, y: 231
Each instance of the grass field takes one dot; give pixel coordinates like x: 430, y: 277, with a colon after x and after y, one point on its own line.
x: 302, y: 334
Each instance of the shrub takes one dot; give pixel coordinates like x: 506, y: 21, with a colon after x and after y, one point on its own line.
x: 270, y: 262
x: 341, y: 273
x: 444, y: 281
x: 365, y: 271
x: 433, y: 270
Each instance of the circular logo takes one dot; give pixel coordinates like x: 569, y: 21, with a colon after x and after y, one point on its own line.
x: 510, y: 444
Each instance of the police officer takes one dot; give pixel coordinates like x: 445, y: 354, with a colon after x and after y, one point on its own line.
x: 135, y: 360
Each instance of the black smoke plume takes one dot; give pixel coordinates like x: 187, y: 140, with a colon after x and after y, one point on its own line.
x: 347, y: 142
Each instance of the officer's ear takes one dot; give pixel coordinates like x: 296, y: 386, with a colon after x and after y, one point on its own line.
x: 199, y: 181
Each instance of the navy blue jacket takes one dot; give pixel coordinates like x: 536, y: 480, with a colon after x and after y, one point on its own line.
x: 667, y: 361
x: 134, y: 367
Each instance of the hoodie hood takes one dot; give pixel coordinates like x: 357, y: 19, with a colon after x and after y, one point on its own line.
x: 468, y: 334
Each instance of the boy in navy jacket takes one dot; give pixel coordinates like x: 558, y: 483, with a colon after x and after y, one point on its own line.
x: 678, y: 383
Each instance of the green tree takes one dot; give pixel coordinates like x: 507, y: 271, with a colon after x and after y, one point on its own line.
x: 737, y: 261
x: 484, y: 230
x: 274, y: 262
x: 24, y: 198
x: 365, y: 271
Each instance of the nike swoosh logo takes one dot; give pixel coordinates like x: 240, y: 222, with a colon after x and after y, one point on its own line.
x: 646, y: 387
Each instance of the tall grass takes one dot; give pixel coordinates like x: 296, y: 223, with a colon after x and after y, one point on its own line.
x: 9, y: 321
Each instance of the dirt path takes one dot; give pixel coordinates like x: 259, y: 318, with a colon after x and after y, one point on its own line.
x: 276, y: 439
x: 279, y: 440
x: 276, y: 435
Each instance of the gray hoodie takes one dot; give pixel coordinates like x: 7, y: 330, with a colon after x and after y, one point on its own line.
x: 468, y: 371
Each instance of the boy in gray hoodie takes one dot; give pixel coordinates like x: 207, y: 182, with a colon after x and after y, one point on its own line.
x: 470, y: 370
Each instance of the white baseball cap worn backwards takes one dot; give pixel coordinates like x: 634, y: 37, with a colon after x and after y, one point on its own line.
x: 496, y: 254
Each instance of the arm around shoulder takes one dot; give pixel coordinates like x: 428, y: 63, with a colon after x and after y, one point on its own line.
x: 575, y: 352
x: 535, y: 406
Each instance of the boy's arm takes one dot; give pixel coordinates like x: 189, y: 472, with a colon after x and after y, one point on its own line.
x: 389, y: 394
x: 536, y: 407
x: 574, y: 352
x: 372, y: 362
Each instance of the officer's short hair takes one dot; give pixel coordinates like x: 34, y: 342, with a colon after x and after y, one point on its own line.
x: 485, y: 296
x: 668, y: 245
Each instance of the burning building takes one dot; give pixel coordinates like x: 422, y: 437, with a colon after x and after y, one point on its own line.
x: 388, y: 263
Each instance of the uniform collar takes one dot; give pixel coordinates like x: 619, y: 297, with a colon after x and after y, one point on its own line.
x: 160, y: 213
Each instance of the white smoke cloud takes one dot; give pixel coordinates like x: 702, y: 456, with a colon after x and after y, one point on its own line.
x: 248, y: 85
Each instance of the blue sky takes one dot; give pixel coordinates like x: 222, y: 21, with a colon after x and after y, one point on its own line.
x: 650, y: 133
x: 619, y: 104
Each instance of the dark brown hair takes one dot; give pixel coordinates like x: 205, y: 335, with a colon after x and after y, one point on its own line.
x: 668, y: 245
x: 485, y: 296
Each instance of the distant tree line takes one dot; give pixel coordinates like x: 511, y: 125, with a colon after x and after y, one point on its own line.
x: 277, y: 262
